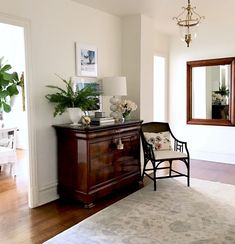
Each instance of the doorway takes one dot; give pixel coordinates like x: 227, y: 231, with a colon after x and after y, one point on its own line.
x: 12, y: 49
x: 159, y: 89
x: 14, y: 37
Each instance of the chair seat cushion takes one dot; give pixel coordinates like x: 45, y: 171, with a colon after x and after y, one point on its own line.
x: 7, y: 155
x: 5, y: 149
x: 4, y: 142
x: 169, y: 154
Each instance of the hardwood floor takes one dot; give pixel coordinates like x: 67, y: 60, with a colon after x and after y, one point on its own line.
x: 20, y: 224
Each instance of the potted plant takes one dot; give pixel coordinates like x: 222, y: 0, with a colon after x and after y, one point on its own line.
x: 73, y: 100
x: 222, y: 94
x: 8, y: 87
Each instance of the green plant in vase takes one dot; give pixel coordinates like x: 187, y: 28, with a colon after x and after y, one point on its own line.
x: 223, y: 92
x: 73, y: 100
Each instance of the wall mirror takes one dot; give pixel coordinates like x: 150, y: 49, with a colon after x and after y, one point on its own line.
x: 210, y: 92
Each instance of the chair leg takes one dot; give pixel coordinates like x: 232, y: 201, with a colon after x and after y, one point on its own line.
x: 11, y: 166
x: 170, y: 162
x: 13, y: 170
x: 154, y: 177
x: 188, y: 178
x: 145, y: 163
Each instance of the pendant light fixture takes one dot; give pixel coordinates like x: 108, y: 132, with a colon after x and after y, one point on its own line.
x: 188, y: 22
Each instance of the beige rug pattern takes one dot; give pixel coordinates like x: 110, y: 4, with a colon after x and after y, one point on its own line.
x: 174, y: 214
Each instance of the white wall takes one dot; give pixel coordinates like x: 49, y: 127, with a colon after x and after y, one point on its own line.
x: 140, y: 43
x: 146, y: 81
x: 55, y: 26
x: 131, y: 58
x: 214, y: 143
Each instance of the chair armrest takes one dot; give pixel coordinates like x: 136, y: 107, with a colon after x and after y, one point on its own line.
x: 180, y: 146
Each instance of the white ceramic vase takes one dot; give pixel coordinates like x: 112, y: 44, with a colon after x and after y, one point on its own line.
x: 75, y: 115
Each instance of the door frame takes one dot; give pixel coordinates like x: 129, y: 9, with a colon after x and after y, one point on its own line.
x: 31, y: 157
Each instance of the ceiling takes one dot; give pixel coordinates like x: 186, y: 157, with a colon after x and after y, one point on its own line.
x: 217, y: 13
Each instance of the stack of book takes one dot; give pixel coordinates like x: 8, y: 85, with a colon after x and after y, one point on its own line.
x: 102, y: 121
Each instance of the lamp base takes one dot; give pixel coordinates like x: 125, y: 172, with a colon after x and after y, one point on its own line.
x: 114, y: 100
x: 114, y: 108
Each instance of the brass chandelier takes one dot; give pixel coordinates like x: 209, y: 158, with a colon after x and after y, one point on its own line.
x: 188, y: 22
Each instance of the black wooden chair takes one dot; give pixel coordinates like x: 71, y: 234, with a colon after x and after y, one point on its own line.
x: 160, y: 145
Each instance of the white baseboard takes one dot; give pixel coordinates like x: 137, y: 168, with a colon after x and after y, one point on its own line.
x: 213, y: 156
x: 47, y: 194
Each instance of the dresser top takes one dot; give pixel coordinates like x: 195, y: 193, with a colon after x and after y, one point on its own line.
x: 81, y: 127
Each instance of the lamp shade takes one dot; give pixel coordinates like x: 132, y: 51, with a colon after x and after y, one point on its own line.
x: 114, y: 86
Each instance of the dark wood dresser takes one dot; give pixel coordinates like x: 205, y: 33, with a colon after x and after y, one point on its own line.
x: 90, y: 165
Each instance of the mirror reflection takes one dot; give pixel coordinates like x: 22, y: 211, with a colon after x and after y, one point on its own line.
x: 210, y: 91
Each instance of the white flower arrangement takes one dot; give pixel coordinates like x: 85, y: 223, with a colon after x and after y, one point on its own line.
x: 218, y: 99
x: 126, y: 107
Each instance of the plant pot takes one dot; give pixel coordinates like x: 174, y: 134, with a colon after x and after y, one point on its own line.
x: 75, y: 115
x: 127, y: 117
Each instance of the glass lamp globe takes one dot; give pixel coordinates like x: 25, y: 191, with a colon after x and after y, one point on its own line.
x: 188, y: 34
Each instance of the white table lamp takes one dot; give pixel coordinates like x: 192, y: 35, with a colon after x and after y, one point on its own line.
x: 114, y: 86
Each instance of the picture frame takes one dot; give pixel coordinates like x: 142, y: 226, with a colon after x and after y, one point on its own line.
x: 79, y: 82
x: 86, y: 60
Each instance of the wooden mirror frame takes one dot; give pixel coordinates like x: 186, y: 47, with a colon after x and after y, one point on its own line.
x: 211, y: 62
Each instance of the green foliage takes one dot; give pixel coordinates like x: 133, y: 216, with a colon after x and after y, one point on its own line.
x: 8, y: 86
x: 223, y: 91
x: 68, y: 98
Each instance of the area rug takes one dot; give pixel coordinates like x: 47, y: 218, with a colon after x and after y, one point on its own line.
x: 174, y: 214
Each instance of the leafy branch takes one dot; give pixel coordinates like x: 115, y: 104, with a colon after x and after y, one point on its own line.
x: 8, y: 86
x: 69, y: 97
x: 223, y: 90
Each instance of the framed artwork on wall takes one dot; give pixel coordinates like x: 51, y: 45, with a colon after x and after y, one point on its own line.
x: 86, y: 60
x: 79, y: 83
